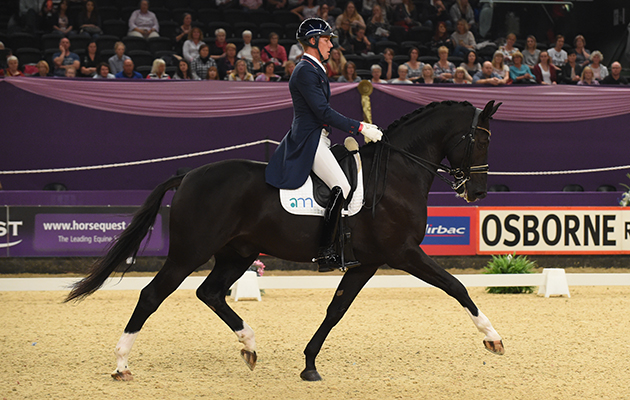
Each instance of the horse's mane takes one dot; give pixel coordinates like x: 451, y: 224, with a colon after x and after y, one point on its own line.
x: 412, y: 140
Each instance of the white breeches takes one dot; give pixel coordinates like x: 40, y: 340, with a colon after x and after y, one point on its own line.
x: 327, y: 168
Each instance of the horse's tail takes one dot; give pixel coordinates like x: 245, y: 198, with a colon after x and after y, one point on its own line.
x: 127, y: 244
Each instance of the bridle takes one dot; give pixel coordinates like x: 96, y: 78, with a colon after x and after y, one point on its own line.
x: 460, y: 175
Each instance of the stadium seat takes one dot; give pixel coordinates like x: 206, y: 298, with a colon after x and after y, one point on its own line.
x: 50, y: 41
x: 239, y: 27
x: 401, y: 59
x: 162, y: 13
x: 238, y: 42
x: 160, y: 43
x: 260, y: 42
x: 428, y: 59
x: 141, y: 57
x: 384, y: 44
x: 233, y: 16
x: 28, y: 55
x: 397, y: 33
x: 104, y: 42
x: 285, y: 17
x: 178, y: 14
x: 135, y: 43
x: 267, y: 27
x: 48, y: 57
x: 109, y: 12
x: 213, y: 26
x: 18, y: 40
x: 606, y: 188
x: 207, y: 15
x: 359, y: 61
x: 105, y: 54
x: 287, y: 44
x: 171, y: 70
x: 78, y: 42
x: 115, y: 27
x: 126, y: 12
x: 420, y: 34
x: 573, y: 188
x: 144, y: 70
x: 364, y: 73
x: 455, y: 60
x: 168, y: 28
x: 258, y: 17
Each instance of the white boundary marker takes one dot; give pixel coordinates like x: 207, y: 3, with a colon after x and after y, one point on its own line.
x: 332, y: 281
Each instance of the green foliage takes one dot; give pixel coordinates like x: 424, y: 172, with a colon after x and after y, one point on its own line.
x: 509, y: 264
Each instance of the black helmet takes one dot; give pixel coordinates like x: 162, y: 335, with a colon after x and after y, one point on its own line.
x: 313, y: 27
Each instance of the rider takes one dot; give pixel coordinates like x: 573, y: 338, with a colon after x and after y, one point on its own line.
x: 306, y: 146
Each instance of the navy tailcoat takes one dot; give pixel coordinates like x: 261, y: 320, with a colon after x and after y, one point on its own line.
x: 292, y: 161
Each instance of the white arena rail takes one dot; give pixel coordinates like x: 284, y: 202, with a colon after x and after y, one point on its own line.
x: 541, y: 280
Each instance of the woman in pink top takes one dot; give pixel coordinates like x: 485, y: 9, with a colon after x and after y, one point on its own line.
x: 274, y: 52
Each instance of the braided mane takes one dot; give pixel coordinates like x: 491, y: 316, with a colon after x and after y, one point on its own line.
x: 407, y: 117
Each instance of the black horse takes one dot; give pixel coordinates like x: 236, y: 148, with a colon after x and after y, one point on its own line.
x: 214, y: 213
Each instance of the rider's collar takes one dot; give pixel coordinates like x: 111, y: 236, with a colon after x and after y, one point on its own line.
x: 316, y: 60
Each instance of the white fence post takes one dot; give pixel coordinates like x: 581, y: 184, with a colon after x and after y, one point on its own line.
x: 554, y: 282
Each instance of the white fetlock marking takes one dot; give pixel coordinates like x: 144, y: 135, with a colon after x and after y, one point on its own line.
x: 246, y: 336
x: 123, y: 348
x: 483, y: 324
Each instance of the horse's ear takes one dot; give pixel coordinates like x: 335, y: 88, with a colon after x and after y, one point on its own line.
x: 489, y: 110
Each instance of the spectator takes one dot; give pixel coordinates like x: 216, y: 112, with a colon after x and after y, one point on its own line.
x: 583, y: 56
x: 249, y: 5
x: 334, y: 66
x: 71, y: 72
x: 90, y: 61
x: 273, y: 5
x: 508, y: 49
x: 88, y: 20
x: 226, y: 64
x: 472, y: 65
x: 308, y: 10
x: 246, y: 51
x: 587, y: 78
x: 376, y: 73
x: 182, y: 32
x: 441, y: 38
x: 463, y: 39
x: 46, y: 16
x: 184, y: 73
x: 274, y: 52
x: 217, y: 49
x: 557, y: 55
x: 571, y: 70
x: 360, y: 43
x: 367, y: 7
x: 143, y: 23
x: 463, y: 10
x: 65, y: 59
x: 268, y: 75
x: 128, y: 71
x: 213, y: 74
x: 191, y: 46
x: 13, y: 67
x: 350, y: 15
x: 531, y: 52
x: 344, y: 36
x: 402, y: 77
x: 500, y: 68
x: 444, y: 69
x: 61, y: 23
x: 599, y: 71
x: 322, y: 13
x: 257, y: 66
x: 378, y: 27
x: 158, y: 70
x: 288, y: 71
x: 437, y: 12
x: 461, y: 76
x: 240, y: 72
x: 296, y: 52
x: 28, y: 10
x: 414, y: 67
x: 615, y: 77
x: 43, y: 69
x: 545, y: 73
x: 428, y: 75
x: 519, y: 72
x: 102, y: 72
x: 203, y: 62
x: 406, y: 15
x: 487, y: 76
x: 349, y: 73
x: 116, y: 61
x: 225, y: 4
x: 390, y: 68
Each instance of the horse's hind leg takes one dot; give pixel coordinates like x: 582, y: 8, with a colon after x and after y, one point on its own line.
x: 165, y: 282
x: 418, y: 264
x: 229, y: 266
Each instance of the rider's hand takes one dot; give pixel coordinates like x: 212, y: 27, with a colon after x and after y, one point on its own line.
x: 371, y: 132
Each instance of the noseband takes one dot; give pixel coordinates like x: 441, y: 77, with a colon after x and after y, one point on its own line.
x: 460, y: 175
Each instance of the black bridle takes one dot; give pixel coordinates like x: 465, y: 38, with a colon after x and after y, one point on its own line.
x: 460, y: 175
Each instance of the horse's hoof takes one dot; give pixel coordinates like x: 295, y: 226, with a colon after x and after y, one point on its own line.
x: 310, y: 375
x: 122, y: 376
x: 495, y: 347
x: 250, y: 358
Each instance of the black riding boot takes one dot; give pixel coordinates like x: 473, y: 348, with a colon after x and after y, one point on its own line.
x: 328, y: 258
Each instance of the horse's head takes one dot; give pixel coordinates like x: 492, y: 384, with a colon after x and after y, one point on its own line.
x: 469, y: 156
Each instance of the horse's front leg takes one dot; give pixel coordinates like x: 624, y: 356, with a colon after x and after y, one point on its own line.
x: 348, y: 289
x: 418, y: 264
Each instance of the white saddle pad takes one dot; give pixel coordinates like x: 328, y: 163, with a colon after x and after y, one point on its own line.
x: 301, y: 201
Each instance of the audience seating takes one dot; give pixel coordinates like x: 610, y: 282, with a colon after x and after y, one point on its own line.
x: 28, y: 55
x: 141, y: 57
x: 115, y: 27
x: 135, y: 43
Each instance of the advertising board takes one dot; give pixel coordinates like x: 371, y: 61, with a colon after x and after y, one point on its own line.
x: 450, y: 231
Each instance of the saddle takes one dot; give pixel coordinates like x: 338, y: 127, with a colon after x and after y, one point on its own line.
x: 313, y: 196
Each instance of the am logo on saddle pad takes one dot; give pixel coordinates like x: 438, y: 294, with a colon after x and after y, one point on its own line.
x: 311, y: 198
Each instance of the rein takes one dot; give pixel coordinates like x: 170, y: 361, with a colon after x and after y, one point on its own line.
x: 461, y: 175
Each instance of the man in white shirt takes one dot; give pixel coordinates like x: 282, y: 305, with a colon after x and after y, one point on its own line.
x: 557, y: 55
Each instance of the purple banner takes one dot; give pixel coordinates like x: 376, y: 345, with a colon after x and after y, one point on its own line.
x: 73, y: 231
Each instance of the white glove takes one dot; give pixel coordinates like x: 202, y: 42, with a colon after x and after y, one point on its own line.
x: 371, y: 132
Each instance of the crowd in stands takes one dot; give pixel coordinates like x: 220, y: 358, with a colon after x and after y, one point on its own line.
x: 385, y: 41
